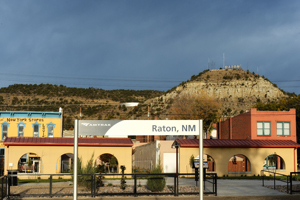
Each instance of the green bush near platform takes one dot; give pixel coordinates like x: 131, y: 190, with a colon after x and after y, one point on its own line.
x: 156, y: 183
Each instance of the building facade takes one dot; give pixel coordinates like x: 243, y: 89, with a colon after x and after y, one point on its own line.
x: 247, y: 144
x: 28, y: 124
x: 259, y: 125
x: 51, y: 155
x: 233, y: 157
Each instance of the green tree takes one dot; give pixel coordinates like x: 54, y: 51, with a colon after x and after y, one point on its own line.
x: 193, y: 107
x: 1, y: 100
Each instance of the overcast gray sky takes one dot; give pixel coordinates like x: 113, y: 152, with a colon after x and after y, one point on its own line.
x: 146, y: 44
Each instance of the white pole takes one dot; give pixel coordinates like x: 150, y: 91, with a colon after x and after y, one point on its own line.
x: 200, y: 160
x: 75, y: 172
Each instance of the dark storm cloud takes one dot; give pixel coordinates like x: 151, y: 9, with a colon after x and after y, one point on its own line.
x: 92, y: 43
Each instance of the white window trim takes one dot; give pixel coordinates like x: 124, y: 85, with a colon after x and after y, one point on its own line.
x: 263, y: 128
x: 38, y: 132
x: 50, y: 125
x: 2, y: 125
x: 282, y: 129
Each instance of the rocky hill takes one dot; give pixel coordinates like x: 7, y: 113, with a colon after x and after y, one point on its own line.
x: 238, y: 90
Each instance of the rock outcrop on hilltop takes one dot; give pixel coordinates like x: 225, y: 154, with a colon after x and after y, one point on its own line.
x: 237, y: 89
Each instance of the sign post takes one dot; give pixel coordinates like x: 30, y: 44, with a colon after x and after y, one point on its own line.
x: 200, y: 160
x: 116, y: 128
x: 75, y: 170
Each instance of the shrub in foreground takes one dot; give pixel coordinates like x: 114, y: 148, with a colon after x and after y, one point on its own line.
x: 156, y: 183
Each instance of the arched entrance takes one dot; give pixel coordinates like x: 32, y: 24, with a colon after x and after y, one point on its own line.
x: 239, y: 164
x: 66, y: 162
x: 274, y: 162
x: 107, y: 163
x: 210, y: 162
x: 29, y: 163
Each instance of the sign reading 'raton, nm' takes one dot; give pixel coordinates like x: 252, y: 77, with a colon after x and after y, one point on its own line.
x: 138, y: 127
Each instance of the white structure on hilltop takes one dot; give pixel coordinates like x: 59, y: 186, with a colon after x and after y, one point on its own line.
x: 233, y: 67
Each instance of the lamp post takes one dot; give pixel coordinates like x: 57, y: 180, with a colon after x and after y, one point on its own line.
x: 276, y: 158
x: 176, y: 145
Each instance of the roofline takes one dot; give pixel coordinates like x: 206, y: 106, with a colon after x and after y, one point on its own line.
x: 235, y: 146
x: 67, y: 144
x: 242, y: 146
x: 99, y: 142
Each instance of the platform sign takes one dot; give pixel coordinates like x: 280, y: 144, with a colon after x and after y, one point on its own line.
x: 137, y: 127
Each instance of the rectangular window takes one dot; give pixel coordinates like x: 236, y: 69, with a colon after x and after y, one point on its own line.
x: 283, y: 128
x: 4, y: 131
x: 36, y: 131
x: 263, y: 128
x: 21, y: 131
x: 50, y: 131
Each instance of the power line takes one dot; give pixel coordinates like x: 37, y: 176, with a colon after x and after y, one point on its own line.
x: 97, y: 79
x: 110, y: 79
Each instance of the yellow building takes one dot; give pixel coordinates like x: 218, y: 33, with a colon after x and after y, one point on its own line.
x: 28, y: 124
x: 240, y: 157
x: 55, y: 155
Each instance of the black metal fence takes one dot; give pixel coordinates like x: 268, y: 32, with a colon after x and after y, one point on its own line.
x: 108, y: 184
x: 288, y: 179
x: 294, y: 176
x: 210, y: 183
x: 3, y: 186
x: 280, y: 177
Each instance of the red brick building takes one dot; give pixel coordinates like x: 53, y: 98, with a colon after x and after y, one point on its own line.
x: 259, y: 125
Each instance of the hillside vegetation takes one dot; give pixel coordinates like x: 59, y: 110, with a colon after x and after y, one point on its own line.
x: 236, y: 89
x: 94, y: 103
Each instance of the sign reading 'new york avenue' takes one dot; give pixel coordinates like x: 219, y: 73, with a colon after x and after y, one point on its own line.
x: 138, y: 127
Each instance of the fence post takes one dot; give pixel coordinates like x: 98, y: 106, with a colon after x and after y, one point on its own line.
x: 175, y: 187
x: 134, y: 187
x: 274, y: 181
x: 291, y: 183
x: 8, y: 186
x: 263, y: 178
x: 287, y: 184
x: 95, y: 184
x: 177, y: 184
x: 216, y: 185
x: 50, y: 192
x: 2, y: 187
x: 92, y: 183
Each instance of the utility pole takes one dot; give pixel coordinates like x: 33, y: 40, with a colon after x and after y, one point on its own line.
x: 80, y: 113
x: 223, y: 60
x: 148, y: 137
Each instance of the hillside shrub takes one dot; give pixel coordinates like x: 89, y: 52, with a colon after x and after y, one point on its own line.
x: 156, y: 183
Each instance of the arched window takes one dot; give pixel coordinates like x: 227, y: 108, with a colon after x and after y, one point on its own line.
x: 29, y: 163
x: 273, y: 162
x: 36, y: 129
x: 50, y: 127
x: 4, y: 126
x: 239, y: 164
x: 66, y: 162
x: 107, y: 163
x: 210, y: 163
x: 21, y: 127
